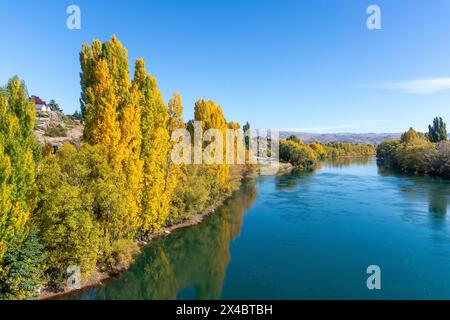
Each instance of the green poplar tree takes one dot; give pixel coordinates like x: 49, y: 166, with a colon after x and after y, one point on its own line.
x: 438, y: 131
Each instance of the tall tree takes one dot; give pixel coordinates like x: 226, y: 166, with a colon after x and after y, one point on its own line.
x: 175, y: 109
x: 438, y: 131
x: 246, y: 129
x: 8, y: 227
x: 54, y: 106
x: 19, y: 154
x: 112, y: 114
x: 212, y: 117
x: 154, y: 150
x: 175, y: 173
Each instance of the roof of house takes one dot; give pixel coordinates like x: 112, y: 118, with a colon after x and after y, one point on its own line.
x: 38, y: 100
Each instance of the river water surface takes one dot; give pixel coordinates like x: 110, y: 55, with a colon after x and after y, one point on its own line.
x: 305, y: 236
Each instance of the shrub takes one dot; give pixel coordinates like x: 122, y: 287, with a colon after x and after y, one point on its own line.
x: 298, y: 154
x: 122, y: 254
x: 21, y: 273
x: 386, y: 149
x: 415, y: 154
x: 56, y: 131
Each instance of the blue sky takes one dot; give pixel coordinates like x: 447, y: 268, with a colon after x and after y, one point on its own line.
x: 306, y: 65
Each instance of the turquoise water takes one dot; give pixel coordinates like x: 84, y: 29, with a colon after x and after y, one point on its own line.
x: 305, y: 236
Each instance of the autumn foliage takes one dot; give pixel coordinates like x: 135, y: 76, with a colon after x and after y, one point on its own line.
x: 87, y: 206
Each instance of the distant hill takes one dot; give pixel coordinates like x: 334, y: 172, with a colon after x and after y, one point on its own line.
x: 374, y: 138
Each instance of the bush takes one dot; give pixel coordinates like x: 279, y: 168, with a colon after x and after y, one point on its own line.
x: 21, y: 272
x: 298, y: 154
x: 122, y: 254
x: 416, y: 157
x: 57, y: 131
x: 319, y: 149
x: 415, y: 154
x: 386, y: 149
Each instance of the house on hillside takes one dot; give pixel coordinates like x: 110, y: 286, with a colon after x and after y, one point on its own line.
x: 41, y: 105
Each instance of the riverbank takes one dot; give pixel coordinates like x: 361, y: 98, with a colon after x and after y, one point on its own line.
x: 99, y: 277
x: 235, y: 249
x: 416, y: 156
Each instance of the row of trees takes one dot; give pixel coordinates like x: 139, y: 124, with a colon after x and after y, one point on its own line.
x: 419, y: 153
x: 303, y: 155
x: 88, y: 206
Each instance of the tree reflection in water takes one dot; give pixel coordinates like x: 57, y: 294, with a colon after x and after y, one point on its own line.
x: 348, y: 161
x: 291, y: 180
x: 435, y: 189
x: 190, y: 263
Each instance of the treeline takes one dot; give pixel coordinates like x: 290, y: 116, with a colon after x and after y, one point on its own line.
x: 306, y: 155
x: 419, y: 153
x: 87, y: 206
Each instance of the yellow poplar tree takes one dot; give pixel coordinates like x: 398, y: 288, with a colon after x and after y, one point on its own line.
x: 132, y: 163
x: 18, y: 153
x: 175, y: 108
x: 21, y: 258
x: 112, y: 120
x: 237, y: 147
x: 212, y: 117
x: 154, y: 149
x: 6, y: 229
x: 175, y: 173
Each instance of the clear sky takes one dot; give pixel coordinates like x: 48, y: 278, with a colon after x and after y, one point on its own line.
x: 306, y: 65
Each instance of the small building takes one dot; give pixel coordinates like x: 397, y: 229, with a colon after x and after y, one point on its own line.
x: 41, y: 105
x: 40, y: 108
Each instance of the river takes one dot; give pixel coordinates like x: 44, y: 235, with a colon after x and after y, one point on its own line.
x: 305, y: 236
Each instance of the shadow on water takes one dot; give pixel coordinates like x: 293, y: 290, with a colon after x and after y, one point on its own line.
x: 189, y: 264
